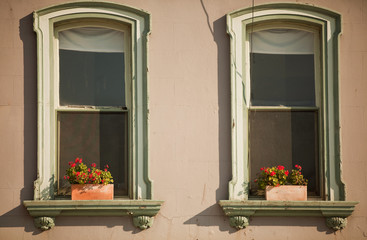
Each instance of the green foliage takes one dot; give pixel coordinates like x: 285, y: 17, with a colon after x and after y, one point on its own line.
x: 79, y: 173
x: 276, y: 176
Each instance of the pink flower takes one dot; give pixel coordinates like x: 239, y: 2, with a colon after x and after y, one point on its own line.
x: 107, y: 166
x: 272, y: 173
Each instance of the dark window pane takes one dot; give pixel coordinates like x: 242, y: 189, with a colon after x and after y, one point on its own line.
x: 99, y: 138
x: 282, y: 79
x: 92, y: 78
x: 285, y: 138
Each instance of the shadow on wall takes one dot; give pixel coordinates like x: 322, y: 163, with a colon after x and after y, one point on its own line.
x: 317, y: 222
x: 18, y: 216
x: 210, y: 216
x: 206, y: 217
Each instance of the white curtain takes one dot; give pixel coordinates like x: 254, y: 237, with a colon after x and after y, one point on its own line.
x: 92, y: 39
x: 282, y: 41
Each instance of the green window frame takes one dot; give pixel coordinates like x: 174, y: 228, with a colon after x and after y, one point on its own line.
x: 47, y: 22
x: 333, y: 204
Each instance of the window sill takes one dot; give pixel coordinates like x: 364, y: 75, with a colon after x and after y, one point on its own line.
x: 335, y: 212
x: 45, y: 211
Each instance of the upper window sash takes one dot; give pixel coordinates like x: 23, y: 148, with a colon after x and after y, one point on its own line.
x: 125, y: 30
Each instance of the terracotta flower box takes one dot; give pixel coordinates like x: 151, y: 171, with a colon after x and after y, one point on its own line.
x: 286, y: 193
x: 91, y: 192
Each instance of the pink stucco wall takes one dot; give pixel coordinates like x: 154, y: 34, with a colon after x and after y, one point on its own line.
x: 189, y: 135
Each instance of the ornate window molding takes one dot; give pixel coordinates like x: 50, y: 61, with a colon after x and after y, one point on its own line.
x: 240, y: 207
x: 45, y: 206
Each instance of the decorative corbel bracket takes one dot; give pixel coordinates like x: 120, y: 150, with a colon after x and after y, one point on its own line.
x: 44, y: 223
x: 239, y: 222
x: 143, y: 222
x: 45, y: 211
x: 336, y: 223
x: 335, y: 212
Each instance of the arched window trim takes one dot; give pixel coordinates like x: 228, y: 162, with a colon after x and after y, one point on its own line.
x: 239, y: 208
x: 140, y: 205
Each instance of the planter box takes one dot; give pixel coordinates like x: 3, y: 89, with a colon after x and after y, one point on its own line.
x: 91, y: 192
x: 286, y: 193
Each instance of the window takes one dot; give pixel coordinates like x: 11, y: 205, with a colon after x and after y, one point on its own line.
x: 285, y: 109
x: 92, y: 103
x: 93, y: 95
x: 94, y: 98
x: 284, y: 113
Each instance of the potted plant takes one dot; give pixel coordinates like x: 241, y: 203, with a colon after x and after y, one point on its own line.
x: 89, y: 183
x: 281, y: 185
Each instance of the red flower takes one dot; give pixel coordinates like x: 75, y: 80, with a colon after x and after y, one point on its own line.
x: 73, y: 165
x: 298, y: 166
x: 98, y: 173
x: 280, y: 167
x: 64, y: 177
x: 78, y: 173
x: 70, y: 163
x: 272, y: 173
x: 262, y: 169
x: 286, y: 173
x: 105, y: 169
x: 88, y: 169
x: 90, y: 175
x: 93, y: 165
x: 68, y: 177
x: 80, y: 160
x: 102, y: 180
x: 255, y: 180
x: 76, y: 160
x: 107, y: 166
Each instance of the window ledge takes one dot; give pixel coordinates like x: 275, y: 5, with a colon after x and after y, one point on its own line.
x: 335, y: 212
x: 45, y: 211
